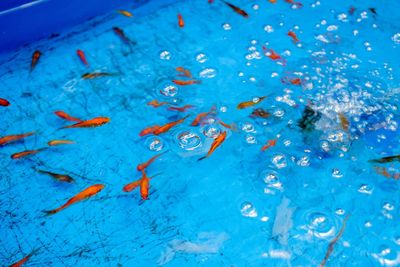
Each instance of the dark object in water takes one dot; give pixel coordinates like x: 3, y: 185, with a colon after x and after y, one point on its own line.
x: 59, y: 177
x: 308, y: 119
x: 386, y: 159
x: 373, y: 10
x: 260, y: 113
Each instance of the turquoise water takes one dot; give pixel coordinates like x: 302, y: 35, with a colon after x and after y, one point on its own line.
x: 241, y: 206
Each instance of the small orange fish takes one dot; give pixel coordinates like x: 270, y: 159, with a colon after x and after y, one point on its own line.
x: 35, y: 59
x: 88, y: 192
x: 297, y: 4
x: 272, y: 1
x: 82, y: 57
x: 183, y: 83
x: 294, y: 81
x: 250, y: 103
x: 200, y: 116
x: 25, y: 259
x: 232, y: 126
x: 294, y: 36
x: 344, y: 122
x: 89, y: 76
x: 143, y: 183
x: 143, y: 166
x: 217, y: 142
x: 129, y: 187
x: 60, y: 142
x: 181, y: 23
x: 149, y: 130
x: 165, y: 128
x: 26, y: 153
x: 89, y: 123
x: 66, y: 116
x: 154, y: 103
x: 4, y: 102
x: 125, y: 13
x: 271, y: 54
x: 237, y: 9
x: 181, y: 109
x: 270, y: 143
x: 59, y: 177
x: 184, y: 72
x: 12, y: 138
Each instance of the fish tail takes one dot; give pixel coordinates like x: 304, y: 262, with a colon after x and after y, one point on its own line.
x: 50, y: 212
x: 202, y: 158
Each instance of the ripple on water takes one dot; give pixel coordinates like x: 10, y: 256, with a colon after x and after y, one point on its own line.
x: 248, y: 210
x: 154, y: 143
x: 188, y: 140
x: 211, y: 131
x: 318, y: 224
x: 272, y: 181
x: 169, y: 90
x: 279, y: 161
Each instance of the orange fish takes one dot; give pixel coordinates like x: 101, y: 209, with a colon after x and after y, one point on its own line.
x: 232, y: 126
x: 143, y: 166
x: 294, y: 81
x: 297, y: 4
x: 250, y: 103
x: 88, y: 192
x: 294, y: 36
x: 82, y: 57
x: 217, y: 142
x: 181, y: 109
x: 270, y: 143
x: 181, y: 23
x: 384, y: 171
x: 201, y: 116
x: 154, y: 103
x: 35, y: 59
x: 344, y: 122
x: 165, y: 128
x: 66, y: 116
x: 272, y: 1
x: 26, y: 153
x: 89, y: 76
x: 143, y: 183
x: 59, y: 177
x: 271, y: 53
x: 15, y: 137
x: 183, y: 83
x: 149, y: 130
x: 125, y: 13
x: 25, y: 259
x: 4, y: 102
x: 237, y: 9
x: 89, y: 123
x: 60, y: 142
x: 184, y: 71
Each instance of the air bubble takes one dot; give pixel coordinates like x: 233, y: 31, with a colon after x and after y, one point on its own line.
x: 201, y: 58
x: 279, y: 161
x: 169, y: 90
x: 154, y: 144
x: 248, y: 210
x: 165, y: 55
x: 226, y: 26
x: 189, y: 141
x: 211, y: 131
x: 208, y: 73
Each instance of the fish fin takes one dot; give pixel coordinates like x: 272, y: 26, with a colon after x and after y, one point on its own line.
x: 202, y: 158
x: 50, y: 212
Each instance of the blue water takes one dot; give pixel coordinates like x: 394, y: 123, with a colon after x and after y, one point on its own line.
x: 241, y: 206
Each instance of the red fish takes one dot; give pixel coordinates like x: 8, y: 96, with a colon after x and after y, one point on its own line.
x: 149, y: 130
x: 4, y: 102
x: 88, y: 192
x: 89, y: 123
x: 143, y: 183
x: 297, y: 4
x: 122, y: 35
x: 82, y: 57
x: 217, y: 142
x: 35, y: 59
x: 66, y: 116
x: 155, y: 104
x: 210, y: 1
x: 11, y: 138
x: 183, y: 83
x: 237, y: 9
x: 352, y: 10
x: 200, y: 116
x: 25, y: 259
x: 232, y: 126
x: 143, y: 166
x: 184, y: 72
x: 294, y: 81
x: 165, y: 128
x: 294, y: 36
x: 181, y: 109
x: 271, y: 53
x: 270, y: 143
x: 26, y: 153
x: 181, y: 23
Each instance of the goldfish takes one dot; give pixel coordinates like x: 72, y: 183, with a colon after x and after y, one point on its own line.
x: 143, y: 183
x: 183, y: 83
x: 260, y: 113
x: 181, y: 23
x: 294, y: 36
x: 89, y: 123
x: 143, y: 166
x: 237, y: 9
x: 272, y: 1
x: 154, y: 103
x: 386, y: 159
x: 165, y: 128
x: 294, y: 81
x: 200, y: 116
x: 94, y: 75
x: 217, y: 142
x: 384, y: 171
x: 270, y: 143
x: 271, y: 53
x: 232, y: 126
x: 86, y: 193
x: 297, y: 4
x: 250, y: 103
x: 60, y: 142
x: 26, y: 153
x: 344, y: 122
x: 184, y: 72
x: 82, y: 57
x: 59, y: 177
x: 66, y: 116
x: 122, y: 35
x: 181, y: 109
x: 35, y: 59
x: 4, y: 102
x: 25, y: 259
x: 12, y: 138
x: 149, y: 130
x: 125, y: 13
